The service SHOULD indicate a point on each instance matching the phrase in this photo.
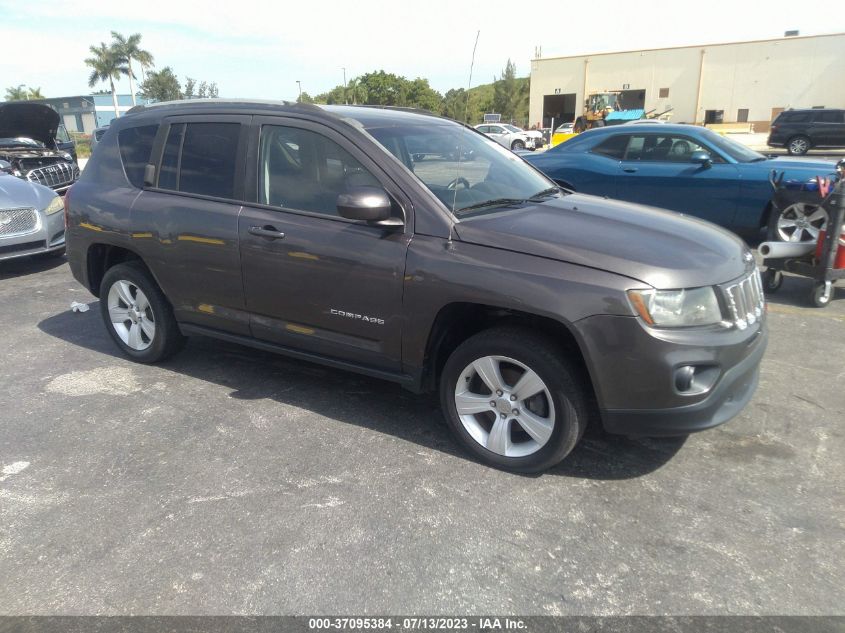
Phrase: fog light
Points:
(684, 377)
(691, 380)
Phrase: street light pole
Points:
(299, 85)
(345, 100)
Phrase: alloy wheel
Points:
(799, 146)
(131, 315)
(801, 222)
(505, 406)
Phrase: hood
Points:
(796, 169)
(661, 248)
(33, 120)
(15, 192)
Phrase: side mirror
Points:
(700, 157)
(371, 204)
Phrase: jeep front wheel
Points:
(512, 401)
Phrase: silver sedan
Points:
(31, 218)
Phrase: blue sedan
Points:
(688, 169)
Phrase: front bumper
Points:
(635, 383)
(47, 236)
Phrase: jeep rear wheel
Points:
(512, 401)
(137, 315)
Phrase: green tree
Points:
(190, 85)
(419, 94)
(22, 93)
(145, 60)
(305, 98)
(161, 86)
(107, 64)
(510, 95)
(384, 88)
(129, 48)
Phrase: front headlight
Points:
(67, 157)
(677, 308)
(56, 205)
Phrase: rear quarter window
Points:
(136, 145)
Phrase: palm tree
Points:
(146, 60)
(16, 93)
(129, 48)
(109, 64)
(35, 93)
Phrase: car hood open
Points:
(661, 248)
(32, 120)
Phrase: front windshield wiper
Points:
(546, 192)
(497, 202)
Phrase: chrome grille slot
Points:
(18, 222)
(745, 300)
(53, 176)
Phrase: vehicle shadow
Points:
(31, 265)
(354, 399)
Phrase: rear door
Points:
(657, 170)
(315, 281)
(186, 223)
(828, 128)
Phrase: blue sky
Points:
(257, 49)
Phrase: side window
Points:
(484, 129)
(201, 158)
(62, 135)
(796, 117)
(667, 149)
(830, 116)
(300, 169)
(136, 144)
(613, 147)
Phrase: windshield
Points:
(732, 148)
(467, 171)
(20, 141)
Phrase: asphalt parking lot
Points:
(229, 481)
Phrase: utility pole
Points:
(345, 100)
(299, 85)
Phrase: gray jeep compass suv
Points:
(314, 232)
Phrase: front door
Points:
(657, 170)
(315, 281)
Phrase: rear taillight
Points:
(774, 129)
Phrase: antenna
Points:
(460, 140)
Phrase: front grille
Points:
(54, 176)
(17, 222)
(745, 300)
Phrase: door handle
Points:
(629, 170)
(266, 231)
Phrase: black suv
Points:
(36, 145)
(315, 233)
(802, 130)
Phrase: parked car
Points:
(508, 136)
(31, 218)
(799, 131)
(28, 141)
(536, 135)
(97, 135)
(688, 169)
(307, 231)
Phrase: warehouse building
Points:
(739, 82)
(83, 113)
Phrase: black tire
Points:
(772, 280)
(168, 339)
(798, 145)
(565, 383)
(820, 298)
(517, 145)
